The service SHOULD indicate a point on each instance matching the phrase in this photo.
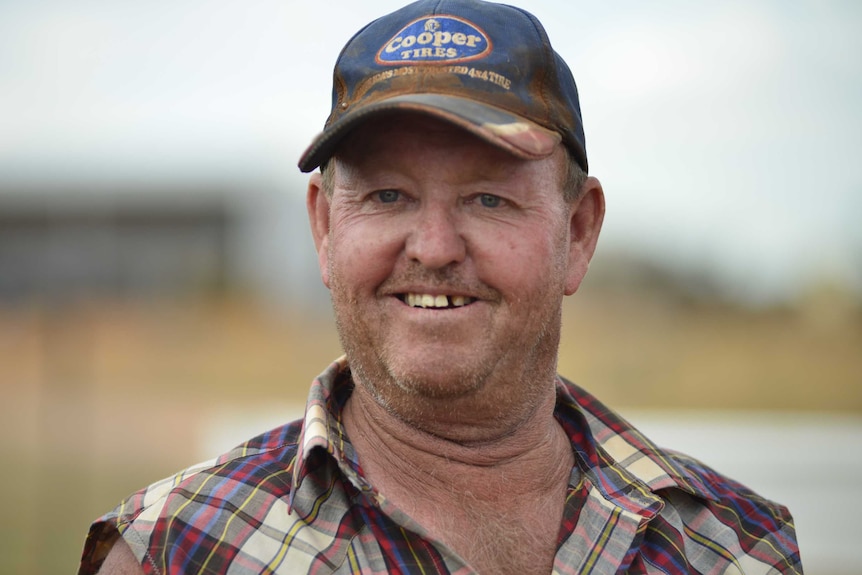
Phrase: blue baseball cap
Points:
(487, 68)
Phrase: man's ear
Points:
(586, 215)
(317, 203)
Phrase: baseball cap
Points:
(488, 68)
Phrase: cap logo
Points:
(432, 39)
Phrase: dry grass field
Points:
(102, 398)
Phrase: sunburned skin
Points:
(448, 260)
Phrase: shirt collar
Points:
(618, 452)
(323, 431)
(614, 453)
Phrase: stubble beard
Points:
(485, 381)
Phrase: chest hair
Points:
(519, 538)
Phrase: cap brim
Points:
(517, 135)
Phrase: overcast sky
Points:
(726, 134)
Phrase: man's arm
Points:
(121, 561)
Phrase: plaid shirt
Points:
(294, 500)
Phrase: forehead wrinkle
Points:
(389, 148)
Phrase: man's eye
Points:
(490, 201)
(388, 196)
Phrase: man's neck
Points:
(403, 449)
(517, 479)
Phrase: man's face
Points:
(447, 259)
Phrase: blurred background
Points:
(159, 297)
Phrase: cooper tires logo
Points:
(431, 39)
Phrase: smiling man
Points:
(452, 214)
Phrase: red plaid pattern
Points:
(294, 500)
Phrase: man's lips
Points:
(438, 301)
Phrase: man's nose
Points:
(436, 240)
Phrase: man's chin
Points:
(437, 386)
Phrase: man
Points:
(452, 215)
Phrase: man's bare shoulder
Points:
(121, 561)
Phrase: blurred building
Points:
(64, 243)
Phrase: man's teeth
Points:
(427, 300)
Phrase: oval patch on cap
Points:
(438, 38)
